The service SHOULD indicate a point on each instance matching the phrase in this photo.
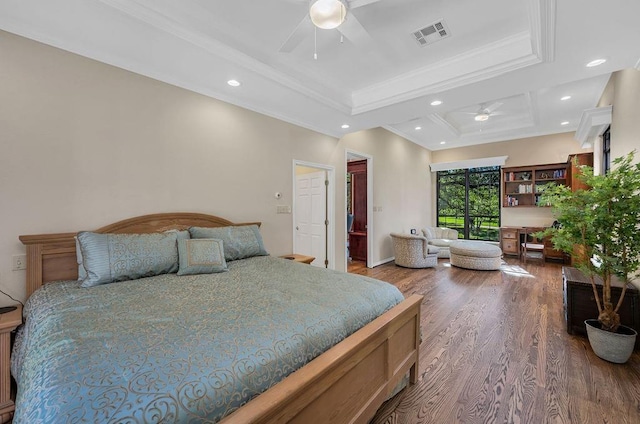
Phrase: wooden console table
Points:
(580, 305)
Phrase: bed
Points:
(310, 382)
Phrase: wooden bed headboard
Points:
(52, 257)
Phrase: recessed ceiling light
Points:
(443, 142)
(345, 126)
(596, 63)
(481, 117)
(564, 123)
(436, 103)
(565, 97)
(418, 128)
(233, 83)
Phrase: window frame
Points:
(467, 173)
(606, 151)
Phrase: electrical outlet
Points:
(19, 262)
(283, 209)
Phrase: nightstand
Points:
(8, 323)
(299, 258)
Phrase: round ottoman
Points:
(475, 255)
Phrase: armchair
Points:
(412, 251)
(440, 237)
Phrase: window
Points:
(469, 201)
(606, 151)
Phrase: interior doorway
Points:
(359, 202)
(313, 212)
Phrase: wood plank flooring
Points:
(495, 350)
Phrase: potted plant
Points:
(599, 228)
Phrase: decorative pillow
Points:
(118, 257)
(82, 273)
(240, 242)
(201, 256)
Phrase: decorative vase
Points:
(613, 347)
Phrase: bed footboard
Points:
(349, 382)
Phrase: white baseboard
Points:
(382, 262)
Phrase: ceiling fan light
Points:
(481, 117)
(327, 14)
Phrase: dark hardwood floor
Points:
(495, 350)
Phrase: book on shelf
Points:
(525, 188)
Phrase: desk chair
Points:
(532, 247)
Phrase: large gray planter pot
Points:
(613, 347)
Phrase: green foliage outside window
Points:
(469, 201)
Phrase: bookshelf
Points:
(522, 186)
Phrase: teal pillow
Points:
(201, 256)
(240, 242)
(117, 257)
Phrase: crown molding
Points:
(404, 135)
(541, 41)
(168, 78)
(531, 100)
(470, 163)
(542, 21)
(442, 122)
(592, 124)
(512, 53)
(165, 23)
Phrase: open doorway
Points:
(359, 201)
(314, 212)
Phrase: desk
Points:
(512, 237)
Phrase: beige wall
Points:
(527, 151)
(85, 144)
(401, 181)
(625, 120)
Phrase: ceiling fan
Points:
(329, 14)
(485, 112)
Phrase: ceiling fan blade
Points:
(354, 31)
(301, 32)
(492, 107)
(359, 3)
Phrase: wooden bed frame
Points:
(346, 384)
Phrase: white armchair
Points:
(440, 237)
(412, 251)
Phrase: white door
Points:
(311, 236)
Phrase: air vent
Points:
(431, 33)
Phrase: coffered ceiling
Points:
(512, 60)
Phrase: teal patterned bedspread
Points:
(178, 349)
